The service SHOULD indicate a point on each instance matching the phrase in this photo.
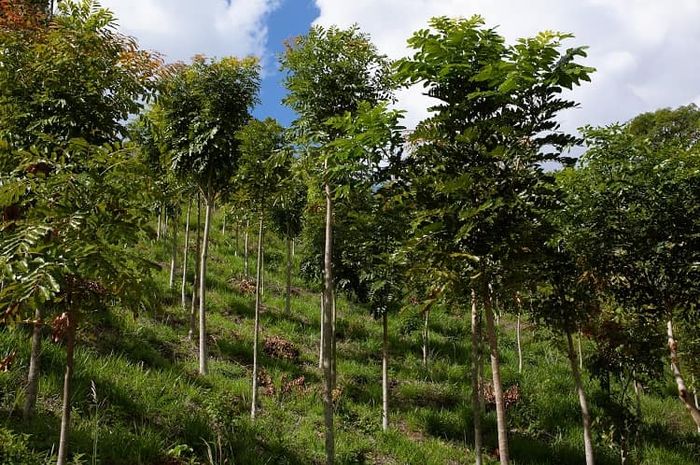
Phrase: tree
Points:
(204, 105)
(329, 73)
(264, 164)
(476, 172)
(78, 78)
(631, 185)
(288, 219)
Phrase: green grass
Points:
(150, 399)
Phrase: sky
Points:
(646, 52)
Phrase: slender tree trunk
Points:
(67, 378)
(320, 345)
(258, 303)
(262, 276)
(223, 226)
(580, 351)
(183, 288)
(288, 302)
(203, 355)
(238, 227)
(333, 343)
(385, 373)
(497, 387)
(520, 347)
(165, 224)
(585, 416)
(160, 221)
(293, 243)
(476, 382)
(426, 317)
(680, 382)
(195, 281)
(328, 330)
(245, 249)
(34, 367)
(173, 259)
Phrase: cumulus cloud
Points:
(644, 50)
(182, 28)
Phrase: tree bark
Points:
(203, 355)
(183, 288)
(328, 330)
(580, 351)
(683, 392)
(245, 249)
(426, 316)
(223, 226)
(288, 301)
(520, 348)
(34, 367)
(585, 416)
(320, 339)
(67, 378)
(385, 372)
(160, 221)
(333, 343)
(497, 387)
(258, 303)
(476, 381)
(195, 281)
(173, 259)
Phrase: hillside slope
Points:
(138, 398)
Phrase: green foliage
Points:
(14, 450)
(204, 104)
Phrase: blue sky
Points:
(290, 19)
(645, 51)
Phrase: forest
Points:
(182, 283)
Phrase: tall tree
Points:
(329, 73)
(476, 172)
(204, 105)
(264, 164)
(78, 78)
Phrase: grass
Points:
(153, 408)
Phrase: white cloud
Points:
(182, 28)
(645, 50)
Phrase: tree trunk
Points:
(585, 416)
(333, 343)
(173, 259)
(476, 381)
(328, 330)
(497, 387)
(385, 373)
(195, 281)
(520, 348)
(288, 301)
(65, 411)
(34, 367)
(223, 226)
(580, 351)
(160, 221)
(238, 227)
(183, 288)
(683, 392)
(320, 345)
(258, 303)
(245, 249)
(426, 317)
(203, 356)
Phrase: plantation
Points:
(183, 283)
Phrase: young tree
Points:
(78, 78)
(204, 105)
(476, 172)
(329, 72)
(264, 164)
(630, 187)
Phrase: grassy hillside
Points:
(138, 398)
